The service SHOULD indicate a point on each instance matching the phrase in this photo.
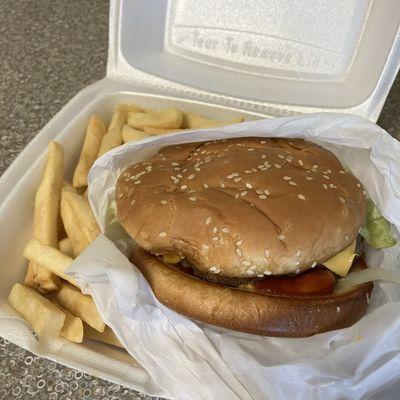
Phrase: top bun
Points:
(242, 207)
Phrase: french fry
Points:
(68, 186)
(113, 136)
(196, 121)
(80, 305)
(28, 281)
(169, 118)
(94, 135)
(78, 219)
(45, 318)
(50, 258)
(130, 134)
(107, 336)
(46, 213)
(160, 131)
(65, 247)
(73, 326)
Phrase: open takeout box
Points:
(255, 59)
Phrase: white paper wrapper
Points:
(189, 360)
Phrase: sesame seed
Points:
(239, 252)
(208, 220)
(331, 185)
(248, 171)
(215, 230)
(338, 309)
(179, 176)
(367, 297)
(237, 179)
(222, 185)
(342, 172)
(235, 174)
(301, 196)
(300, 162)
(263, 156)
(193, 198)
(252, 205)
(205, 185)
(342, 199)
(215, 238)
(314, 264)
(205, 247)
(266, 252)
(262, 196)
(250, 149)
(326, 176)
(260, 275)
(183, 187)
(132, 202)
(258, 191)
(249, 186)
(243, 193)
(137, 182)
(237, 195)
(254, 169)
(297, 271)
(267, 192)
(315, 166)
(328, 171)
(163, 201)
(121, 195)
(239, 242)
(162, 234)
(298, 254)
(325, 186)
(364, 192)
(177, 169)
(281, 156)
(281, 237)
(347, 238)
(287, 178)
(263, 142)
(213, 269)
(250, 272)
(358, 185)
(292, 183)
(277, 166)
(246, 263)
(225, 230)
(230, 176)
(174, 164)
(191, 176)
(309, 178)
(267, 272)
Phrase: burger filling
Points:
(318, 281)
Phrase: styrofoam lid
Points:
(284, 55)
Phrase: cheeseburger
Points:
(249, 234)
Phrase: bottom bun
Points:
(251, 312)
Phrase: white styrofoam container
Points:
(203, 57)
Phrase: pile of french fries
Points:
(64, 225)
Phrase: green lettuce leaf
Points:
(377, 230)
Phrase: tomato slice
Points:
(318, 281)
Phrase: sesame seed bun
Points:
(244, 207)
(251, 312)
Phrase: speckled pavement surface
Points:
(49, 50)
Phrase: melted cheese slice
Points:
(341, 263)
